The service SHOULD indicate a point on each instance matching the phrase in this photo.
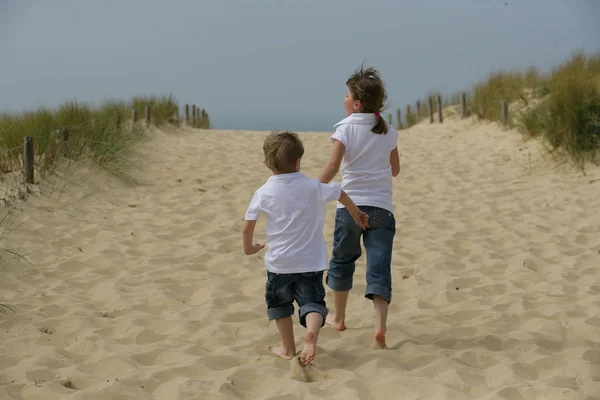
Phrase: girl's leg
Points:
(379, 240)
(346, 250)
(381, 311)
(337, 318)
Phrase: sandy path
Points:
(144, 293)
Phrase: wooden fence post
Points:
(187, 113)
(64, 133)
(117, 120)
(505, 112)
(133, 116)
(419, 110)
(463, 105)
(194, 114)
(431, 110)
(441, 117)
(28, 159)
(398, 119)
(148, 114)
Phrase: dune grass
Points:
(92, 133)
(104, 134)
(561, 107)
(567, 113)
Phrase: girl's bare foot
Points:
(309, 351)
(380, 340)
(332, 321)
(283, 353)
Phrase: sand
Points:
(143, 291)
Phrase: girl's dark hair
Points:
(366, 85)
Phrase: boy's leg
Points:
(310, 296)
(378, 240)
(279, 297)
(287, 350)
(346, 250)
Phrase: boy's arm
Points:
(247, 236)
(361, 218)
(335, 160)
(395, 162)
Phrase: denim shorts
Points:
(378, 240)
(306, 288)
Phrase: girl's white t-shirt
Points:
(366, 169)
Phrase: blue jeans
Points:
(378, 240)
(306, 288)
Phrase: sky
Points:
(274, 64)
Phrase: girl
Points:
(365, 146)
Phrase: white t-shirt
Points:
(366, 168)
(295, 209)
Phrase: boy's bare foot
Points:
(380, 341)
(332, 321)
(310, 349)
(281, 352)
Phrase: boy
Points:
(297, 253)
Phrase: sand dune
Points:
(143, 292)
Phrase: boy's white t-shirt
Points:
(366, 169)
(295, 208)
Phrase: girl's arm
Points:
(333, 165)
(395, 162)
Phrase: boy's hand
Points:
(362, 219)
(254, 249)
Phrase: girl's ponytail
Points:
(380, 126)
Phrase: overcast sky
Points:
(274, 64)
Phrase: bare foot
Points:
(309, 351)
(380, 341)
(280, 351)
(331, 321)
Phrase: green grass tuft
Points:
(562, 107)
(568, 117)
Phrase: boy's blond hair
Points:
(282, 149)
